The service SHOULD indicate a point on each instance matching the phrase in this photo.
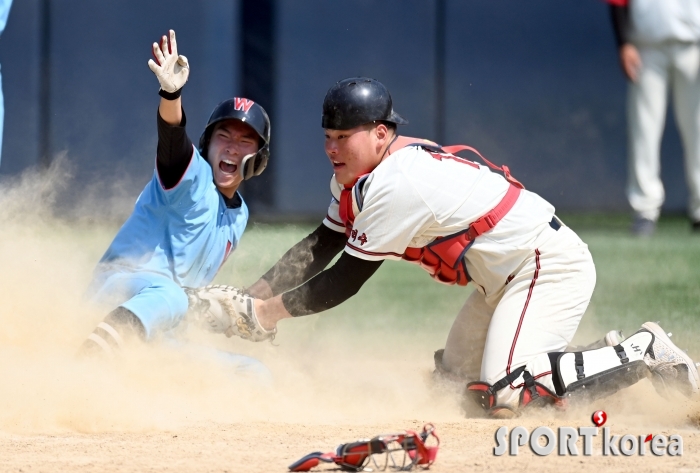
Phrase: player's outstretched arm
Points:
(226, 309)
(174, 151)
(324, 291)
(300, 263)
(172, 71)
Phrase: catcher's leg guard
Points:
(533, 394)
(597, 373)
(109, 336)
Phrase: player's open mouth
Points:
(228, 167)
(337, 164)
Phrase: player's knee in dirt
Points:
(584, 376)
(532, 395)
(576, 376)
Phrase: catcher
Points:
(404, 198)
(189, 217)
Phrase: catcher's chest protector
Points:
(443, 258)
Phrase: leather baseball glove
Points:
(228, 310)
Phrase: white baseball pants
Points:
(537, 314)
(673, 65)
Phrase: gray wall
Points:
(321, 42)
(103, 95)
(537, 85)
(534, 85)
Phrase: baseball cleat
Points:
(670, 366)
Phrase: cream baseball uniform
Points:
(667, 35)
(460, 221)
(533, 283)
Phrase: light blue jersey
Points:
(175, 237)
(184, 233)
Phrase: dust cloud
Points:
(47, 261)
(322, 375)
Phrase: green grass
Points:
(657, 278)
(642, 279)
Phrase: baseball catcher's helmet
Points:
(251, 113)
(356, 101)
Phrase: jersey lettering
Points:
(440, 157)
(242, 104)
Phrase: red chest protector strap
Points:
(504, 169)
(451, 248)
(444, 257)
(347, 216)
(351, 202)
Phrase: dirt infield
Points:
(179, 406)
(167, 409)
(271, 446)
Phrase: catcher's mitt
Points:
(227, 310)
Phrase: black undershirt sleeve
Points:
(620, 21)
(331, 287)
(305, 259)
(174, 151)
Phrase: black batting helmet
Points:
(249, 112)
(358, 100)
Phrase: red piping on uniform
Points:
(522, 315)
(542, 374)
(334, 222)
(504, 169)
(372, 253)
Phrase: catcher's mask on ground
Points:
(250, 113)
(355, 456)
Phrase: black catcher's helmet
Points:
(355, 101)
(249, 112)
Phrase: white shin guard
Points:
(601, 372)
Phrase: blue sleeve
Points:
(4, 13)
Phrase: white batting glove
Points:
(227, 310)
(171, 70)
